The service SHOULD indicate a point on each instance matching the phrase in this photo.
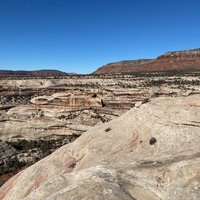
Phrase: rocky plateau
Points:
(134, 127)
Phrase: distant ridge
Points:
(173, 60)
(170, 61)
(37, 73)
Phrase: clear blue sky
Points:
(82, 35)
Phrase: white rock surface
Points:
(149, 153)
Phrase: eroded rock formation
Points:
(43, 108)
(150, 152)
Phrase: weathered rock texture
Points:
(151, 152)
(17, 155)
(177, 60)
(44, 108)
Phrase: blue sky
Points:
(82, 35)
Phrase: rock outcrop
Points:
(150, 152)
(171, 61)
(69, 100)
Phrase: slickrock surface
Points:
(151, 152)
(176, 60)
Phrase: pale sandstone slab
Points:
(151, 152)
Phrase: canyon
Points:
(116, 126)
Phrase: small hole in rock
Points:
(141, 141)
(152, 141)
(102, 103)
(94, 95)
(107, 129)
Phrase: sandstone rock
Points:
(138, 104)
(68, 100)
(151, 152)
(62, 106)
(38, 121)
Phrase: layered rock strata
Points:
(43, 108)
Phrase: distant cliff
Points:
(176, 60)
